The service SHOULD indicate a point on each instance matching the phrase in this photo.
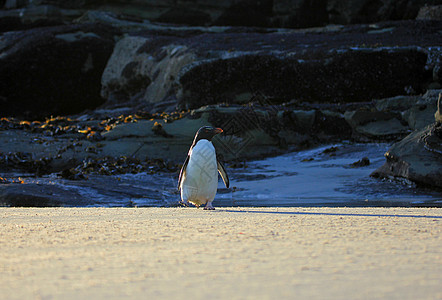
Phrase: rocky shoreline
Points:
(145, 142)
(131, 93)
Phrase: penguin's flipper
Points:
(183, 171)
(223, 173)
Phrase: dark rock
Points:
(330, 150)
(54, 70)
(186, 16)
(431, 12)
(258, 14)
(158, 129)
(33, 17)
(358, 63)
(132, 76)
(25, 161)
(36, 195)
(299, 120)
(299, 14)
(267, 13)
(396, 104)
(382, 130)
(11, 4)
(367, 11)
(421, 114)
(353, 75)
(437, 72)
(72, 174)
(373, 123)
(332, 124)
(308, 159)
(361, 163)
(418, 157)
(316, 122)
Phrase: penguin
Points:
(198, 179)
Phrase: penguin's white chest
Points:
(201, 178)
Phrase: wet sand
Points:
(229, 253)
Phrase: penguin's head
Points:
(207, 133)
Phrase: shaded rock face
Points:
(266, 13)
(54, 70)
(358, 63)
(351, 76)
(199, 66)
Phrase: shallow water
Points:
(317, 177)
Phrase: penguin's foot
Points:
(209, 207)
(185, 204)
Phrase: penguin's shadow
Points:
(294, 213)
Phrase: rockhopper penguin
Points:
(198, 179)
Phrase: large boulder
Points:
(323, 65)
(418, 157)
(143, 69)
(396, 104)
(53, 70)
(421, 113)
(376, 124)
(351, 76)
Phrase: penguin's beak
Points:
(217, 130)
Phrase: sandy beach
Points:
(229, 253)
